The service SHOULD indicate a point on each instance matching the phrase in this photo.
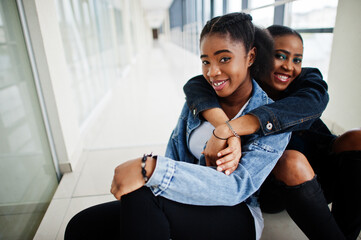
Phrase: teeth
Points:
(218, 83)
(282, 77)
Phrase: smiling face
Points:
(288, 61)
(225, 65)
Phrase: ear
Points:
(252, 56)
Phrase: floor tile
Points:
(53, 219)
(281, 227)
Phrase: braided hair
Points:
(239, 27)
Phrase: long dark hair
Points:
(239, 27)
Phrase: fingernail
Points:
(227, 172)
(219, 154)
(219, 169)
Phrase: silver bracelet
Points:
(232, 130)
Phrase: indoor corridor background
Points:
(88, 84)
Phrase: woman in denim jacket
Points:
(301, 96)
(177, 196)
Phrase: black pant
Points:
(141, 215)
(338, 181)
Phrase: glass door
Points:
(28, 177)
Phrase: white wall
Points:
(345, 68)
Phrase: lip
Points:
(282, 77)
(219, 84)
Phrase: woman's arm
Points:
(303, 102)
(199, 185)
(189, 183)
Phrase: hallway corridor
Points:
(137, 118)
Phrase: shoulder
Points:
(258, 98)
(197, 78)
(308, 72)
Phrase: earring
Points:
(250, 63)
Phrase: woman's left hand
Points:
(128, 176)
(229, 158)
(223, 154)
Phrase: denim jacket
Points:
(300, 105)
(180, 177)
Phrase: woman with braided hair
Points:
(181, 195)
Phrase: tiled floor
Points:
(143, 111)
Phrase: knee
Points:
(349, 141)
(293, 168)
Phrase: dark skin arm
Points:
(226, 154)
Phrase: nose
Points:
(213, 71)
(288, 65)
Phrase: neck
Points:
(272, 93)
(232, 104)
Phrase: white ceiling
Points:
(155, 11)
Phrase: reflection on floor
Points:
(144, 109)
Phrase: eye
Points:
(280, 56)
(297, 60)
(205, 62)
(225, 59)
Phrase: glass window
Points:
(92, 35)
(217, 8)
(317, 51)
(259, 3)
(312, 14)
(234, 6)
(206, 10)
(27, 174)
(263, 17)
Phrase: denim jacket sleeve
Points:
(301, 104)
(178, 177)
(201, 185)
(200, 96)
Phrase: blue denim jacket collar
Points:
(258, 97)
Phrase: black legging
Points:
(307, 205)
(141, 215)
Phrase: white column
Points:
(345, 68)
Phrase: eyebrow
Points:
(287, 52)
(217, 52)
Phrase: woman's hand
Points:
(128, 176)
(223, 154)
(213, 147)
(230, 157)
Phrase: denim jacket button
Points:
(269, 126)
(194, 111)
